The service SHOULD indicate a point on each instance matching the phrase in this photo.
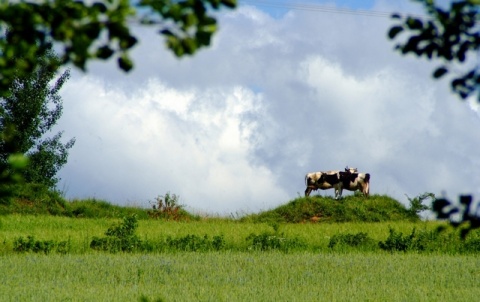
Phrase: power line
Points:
(319, 8)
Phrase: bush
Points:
(168, 207)
(397, 242)
(417, 206)
(194, 243)
(420, 241)
(120, 237)
(359, 240)
(29, 244)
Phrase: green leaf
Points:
(125, 63)
(394, 31)
(229, 3)
(104, 52)
(100, 7)
(439, 72)
(128, 43)
(414, 24)
(18, 161)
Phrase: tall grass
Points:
(236, 276)
(313, 237)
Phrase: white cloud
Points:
(236, 127)
(158, 139)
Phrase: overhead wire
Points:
(320, 8)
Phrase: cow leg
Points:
(366, 189)
(340, 189)
(338, 192)
(307, 191)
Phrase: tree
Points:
(30, 108)
(446, 35)
(86, 30)
(82, 31)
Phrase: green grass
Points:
(355, 249)
(240, 276)
(353, 208)
(80, 231)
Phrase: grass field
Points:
(257, 258)
(79, 232)
(240, 276)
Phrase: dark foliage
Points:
(464, 215)
(82, 31)
(30, 109)
(447, 35)
(119, 238)
(194, 243)
(357, 240)
(29, 244)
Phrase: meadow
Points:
(261, 257)
(240, 276)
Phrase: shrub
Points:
(396, 241)
(361, 239)
(120, 237)
(29, 244)
(471, 244)
(194, 243)
(418, 241)
(417, 206)
(168, 207)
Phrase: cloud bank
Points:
(236, 127)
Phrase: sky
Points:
(283, 90)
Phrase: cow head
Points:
(351, 170)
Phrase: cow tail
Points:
(367, 184)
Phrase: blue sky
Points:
(236, 127)
(278, 8)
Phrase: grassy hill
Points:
(354, 208)
(37, 200)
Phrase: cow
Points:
(349, 179)
(323, 181)
(352, 181)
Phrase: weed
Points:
(416, 204)
(168, 207)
